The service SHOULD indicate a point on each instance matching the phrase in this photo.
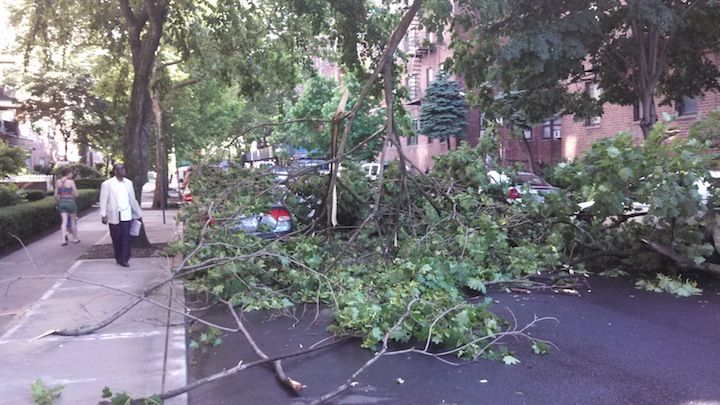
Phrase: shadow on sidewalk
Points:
(106, 251)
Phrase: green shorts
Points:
(67, 205)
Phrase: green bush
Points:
(81, 171)
(9, 195)
(35, 195)
(34, 218)
(91, 183)
(86, 198)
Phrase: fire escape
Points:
(417, 47)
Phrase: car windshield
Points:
(531, 180)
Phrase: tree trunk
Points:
(144, 33)
(648, 119)
(66, 139)
(531, 158)
(652, 59)
(136, 140)
(161, 181)
(83, 149)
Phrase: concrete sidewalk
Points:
(142, 353)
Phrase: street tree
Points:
(312, 112)
(537, 57)
(12, 159)
(65, 98)
(59, 98)
(443, 109)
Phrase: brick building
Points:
(426, 56)
(555, 140)
(566, 138)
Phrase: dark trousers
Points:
(120, 235)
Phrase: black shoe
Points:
(124, 264)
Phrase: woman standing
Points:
(65, 194)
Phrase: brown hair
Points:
(66, 170)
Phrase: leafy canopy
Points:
(316, 106)
(534, 58)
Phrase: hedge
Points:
(9, 195)
(81, 171)
(35, 218)
(93, 183)
(35, 195)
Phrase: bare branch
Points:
(241, 367)
(293, 385)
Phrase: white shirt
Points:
(120, 191)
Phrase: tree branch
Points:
(349, 381)
(392, 45)
(682, 260)
(294, 386)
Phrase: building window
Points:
(430, 76)
(552, 128)
(593, 90)
(443, 139)
(412, 140)
(430, 140)
(687, 106)
(416, 125)
(527, 132)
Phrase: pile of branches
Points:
(437, 239)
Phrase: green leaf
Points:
(462, 318)
(218, 289)
(477, 285)
(540, 347)
(626, 173)
(44, 395)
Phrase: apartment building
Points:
(557, 139)
(567, 138)
(426, 55)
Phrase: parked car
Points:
(280, 173)
(523, 183)
(321, 166)
(273, 224)
(185, 192)
(703, 187)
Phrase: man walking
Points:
(118, 207)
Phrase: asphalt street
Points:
(616, 345)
